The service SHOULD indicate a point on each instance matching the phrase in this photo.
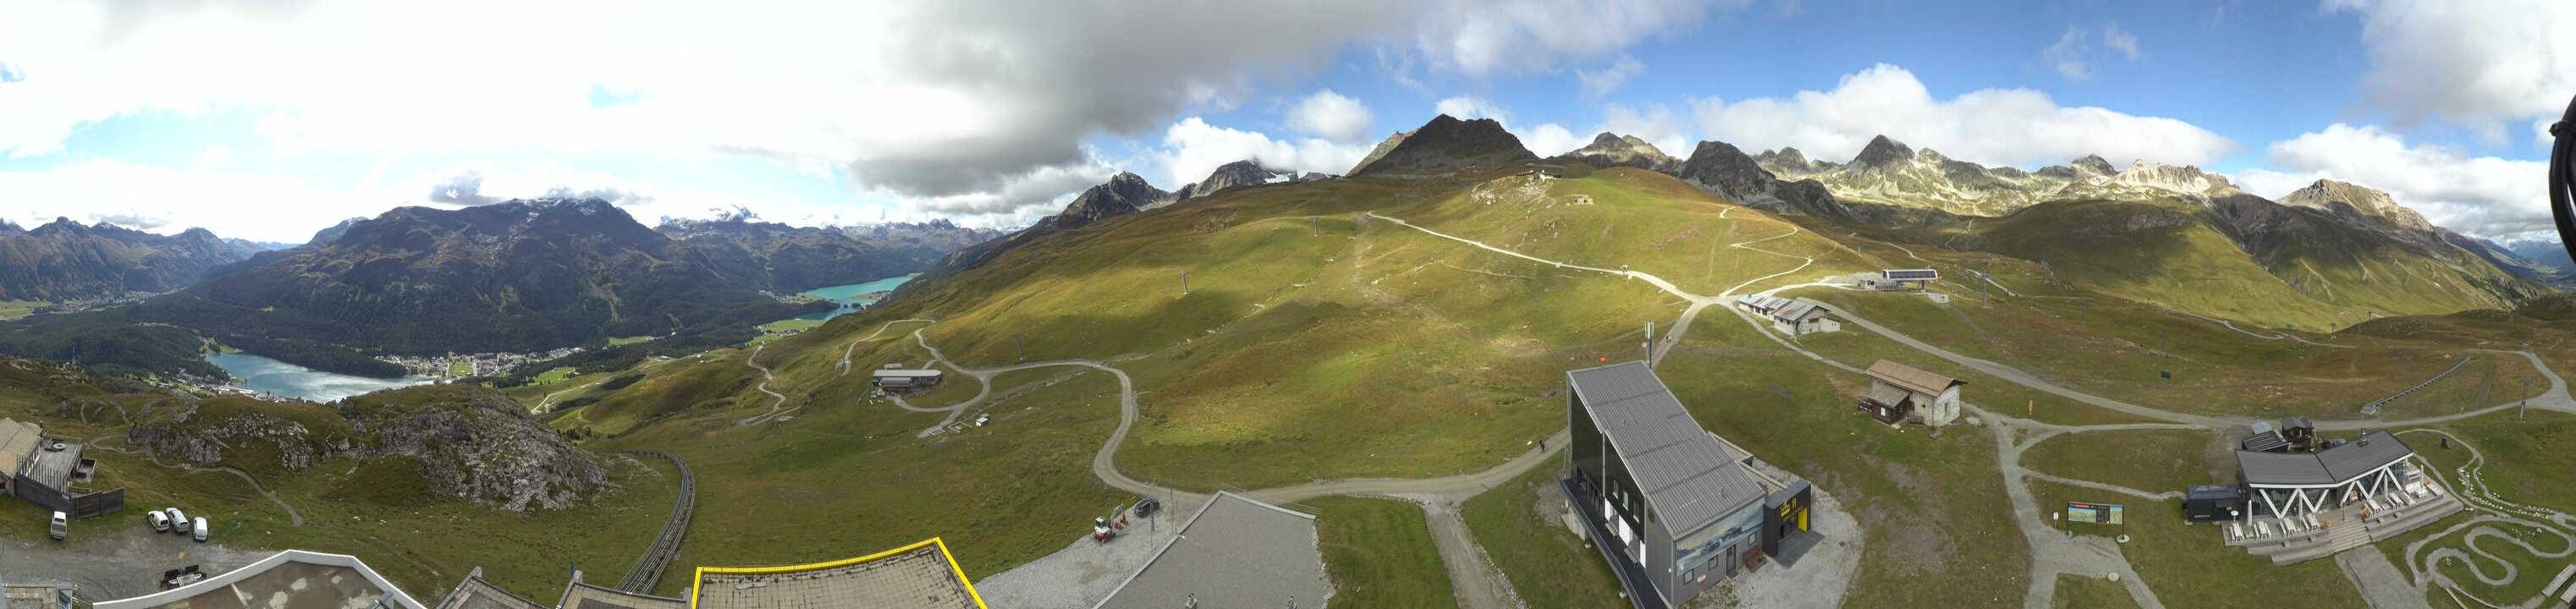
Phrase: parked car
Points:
(200, 529)
(178, 521)
(1147, 508)
(160, 521)
(62, 526)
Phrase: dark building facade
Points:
(1665, 503)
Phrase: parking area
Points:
(105, 562)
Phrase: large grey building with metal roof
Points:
(1668, 506)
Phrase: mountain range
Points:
(63, 260)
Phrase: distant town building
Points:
(293, 578)
(891, 378)
(1672, 510)
(1902, 393)
(51, 471)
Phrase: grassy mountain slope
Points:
(2161, 254)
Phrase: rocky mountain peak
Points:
(2095, 163)
(7, 227)
(1447, 144)
(2334, 196)
(1247, 172)
(1882, 152)
(1612, 150)
(1123, 194)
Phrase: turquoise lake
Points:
(289, 380)
(852, 296)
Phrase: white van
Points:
(62, 526)
(160, 522)
(178, 521)
(201, 529)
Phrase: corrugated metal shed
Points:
(1685, 475)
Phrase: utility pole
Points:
(1650, 343)
(1185, 282)
(1023, 348)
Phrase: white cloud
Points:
(1330, 116)
(1466, 107)
(2018, 127)
(2483, 196)
(1599, 83)
(2072, 54)
(2124, 42)
(171, 200)
(1480, 37)
(2067, 55)
(920, 100)
(2480, 65)
(1192, 149)
(1551, 139)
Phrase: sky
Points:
(272, 119)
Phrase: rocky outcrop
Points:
(244, 433)
(476, 444)
(464, 441)
(1123, 194)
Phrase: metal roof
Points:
(53, 468)
(1910, 274)
(1685, 475)
(2331, 466)
(1235, 552)
(1912, 378)
(2264, 441)
(907, 373)
(1797, 310)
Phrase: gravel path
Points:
(1472, 576)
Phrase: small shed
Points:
(2299, 432)
(896, 379)
(2212, 502)
(1901, 393)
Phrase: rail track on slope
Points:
(657, 558)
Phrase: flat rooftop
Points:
(292, 579)
(918, 576)
(906, 373)
(1235, 553)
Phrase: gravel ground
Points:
(1084, 572)
(105, 564)
(1822, 574)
